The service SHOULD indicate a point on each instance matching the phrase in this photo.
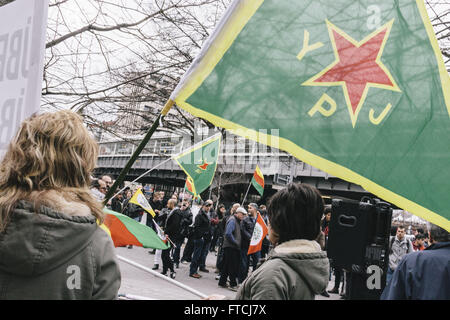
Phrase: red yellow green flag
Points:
(357, 89)
(126, 231)
(258, 180)
(189, 187)
(259, 233)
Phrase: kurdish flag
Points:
(199, 163)
(259, 233)
(126, 231)
(357, 89)
(189, 187)
(258, 180)
(139, 199)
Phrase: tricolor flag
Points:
(357, 89)
(189, 187)
(126, 231)
(139, 199)
(259, 233)
(258, 180)
(199, 163)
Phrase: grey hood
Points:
(306, 259)
(35, 243)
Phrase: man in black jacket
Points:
(176, 223)
(201, 227)
(116, 203)
(247, 225)
(171, 229)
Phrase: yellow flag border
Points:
(228, 34)
(445, 77)
(134, 200)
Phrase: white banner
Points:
(23, 26)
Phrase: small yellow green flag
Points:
(139, 199)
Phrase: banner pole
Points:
(146, 172)
(159, 229)
(243, 201)
(138, 150)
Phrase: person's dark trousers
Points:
(254, 259)
(196, 257)
(177, 250)
(214, 239)
(219, 260)
(205, 250)
(337, 277)
(188, 250)
(167, 262)
(243, 266)
(264, 248)
(230, 269)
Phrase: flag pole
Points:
(159, 164)
(146, 172)
(157, 227)
(138, 150)
(243, 201)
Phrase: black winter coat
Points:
(201, 225)
(173, 225)
(247, 226)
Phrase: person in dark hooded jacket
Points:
(297, 268)
(51, 244)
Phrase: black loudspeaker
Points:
(358, 242)
(349, 231)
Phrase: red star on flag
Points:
(357, 67)
(203, 166)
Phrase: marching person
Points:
(232, 250)
(201, 227)
(171, 230)
(186, 221)
(51, 246)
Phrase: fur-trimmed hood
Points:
(34, 242)
(306, 259)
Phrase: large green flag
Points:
(358, 89)
(199, 163)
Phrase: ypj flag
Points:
(139, 199)
(259, 233)
(126, 231)
(357, 89)
(258, 180)
(199, 163)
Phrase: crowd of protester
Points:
(205, 234)
(227, 232)
(50, 218)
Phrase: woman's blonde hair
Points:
(51, 152)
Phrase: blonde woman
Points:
(50, 244)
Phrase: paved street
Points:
(140, 283)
